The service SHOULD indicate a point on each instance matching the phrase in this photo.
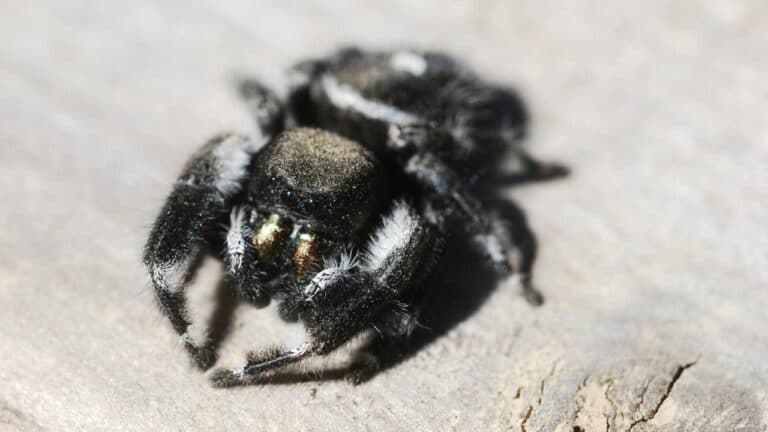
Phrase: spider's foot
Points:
(533, 296)
(360, 375)
(550, 171)
(363, 369)
(202, 357)
(222, 378)
(357, 377)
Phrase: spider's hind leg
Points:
(496, 119)
(443, 185)
(532, 169)
(301, 110)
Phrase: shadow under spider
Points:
(222, 317)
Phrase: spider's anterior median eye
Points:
(270, 237)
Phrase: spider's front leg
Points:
(533, 169)
(488, 234)
(187, 224)
(190, 220)
(351, 296)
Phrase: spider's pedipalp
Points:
(300, 107)
(237, 239)
(318, 290)
(240, 259)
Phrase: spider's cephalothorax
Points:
(341, 210)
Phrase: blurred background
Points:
(653, 254)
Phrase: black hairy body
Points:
(340, 212)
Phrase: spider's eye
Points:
(310, 204)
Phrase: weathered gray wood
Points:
(653, 255)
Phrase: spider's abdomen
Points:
(323, 179)
(359, 94)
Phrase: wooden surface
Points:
(653, 256)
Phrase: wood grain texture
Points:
(653, 255)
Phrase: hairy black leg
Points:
(430, 138)
(520, 241)
(377, 356)
(300, 107)
(486, 231)
(188, 222)
(266, 109)
(393, 326)
(362, 293)
(260, 363)
(190, 219)
(365, 365)
(397, 320)
(490, 119)
(406, 139)
(439, 179)
(393, 264)
(536, 170)
(241, 261)
(391, 261)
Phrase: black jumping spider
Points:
(341, 214)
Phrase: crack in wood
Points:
(525, 418)
(579, 402)
(678, 373)
(543, 383)
(609, 385)
(643, 392)
(10, 416)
